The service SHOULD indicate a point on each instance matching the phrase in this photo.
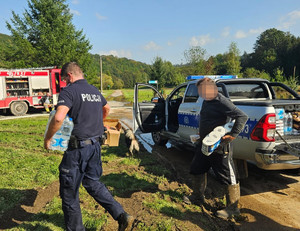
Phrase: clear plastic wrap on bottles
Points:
(213, 139)
(61, 138)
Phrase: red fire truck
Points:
(24, 88)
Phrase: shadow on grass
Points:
(13, 205)
(12, 202)
(56, 219)
(123, 185)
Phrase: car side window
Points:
(250, 91)
(178, 94)
(191, 95)
(281, 93)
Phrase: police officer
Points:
(216, 110)
(81, 162)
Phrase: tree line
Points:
(45, 36)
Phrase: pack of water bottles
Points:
(213, 139)
(284, 122)
(60, 140)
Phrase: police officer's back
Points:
(82, 160)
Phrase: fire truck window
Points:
(57, 82)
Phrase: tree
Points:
(195, 58)
(254, 73)
(220, 65)
(273, 50)
(107, 81)
(118, 83)
(158, 72)
(45, 36)
(232, 60)
(194, 55)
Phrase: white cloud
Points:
(240, 34)
(169, 43)
(151, 46)
(75, 12)
(100, 17)
(225, 32)
(75, 2)
(289, 20)
(243, 34)
(118, 53)
(201, 40)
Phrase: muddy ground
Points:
(270, 200)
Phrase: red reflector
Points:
(265, 129)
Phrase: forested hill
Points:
(5, 40)
(119, 72)
(127, 70)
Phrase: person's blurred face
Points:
(208, 90)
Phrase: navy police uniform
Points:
(83, 163)
(216, 113)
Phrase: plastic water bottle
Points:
(288, 123)
(66, 131)
(61, 138)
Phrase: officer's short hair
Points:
(205, 79)
(71, 67)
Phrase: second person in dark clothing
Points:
(216, 111)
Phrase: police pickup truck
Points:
(266, 141)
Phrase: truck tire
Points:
(18, 108)
(158, 139)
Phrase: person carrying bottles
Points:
(81, 162)
(216, 110)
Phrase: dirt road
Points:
(270, 200)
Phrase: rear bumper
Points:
(276, 161)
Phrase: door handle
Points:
(194, 110)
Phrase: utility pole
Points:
(294, 71)
(101, 87)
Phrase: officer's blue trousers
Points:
(83, 165)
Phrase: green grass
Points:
(25, 166)
(130, 161)
(163, 204)
(161, 225)
(106, 93)
(24, 163)
(144, 94)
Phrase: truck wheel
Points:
(19, 108)
(158, 139)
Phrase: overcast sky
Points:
(144, 29)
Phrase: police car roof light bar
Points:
(195, 77)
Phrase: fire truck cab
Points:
(24, 88)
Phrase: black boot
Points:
(199, 183)
(232, 200)
(125, 222)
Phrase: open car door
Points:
(148, 108)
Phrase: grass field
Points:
(144, 94)
(26, 167)
(24, 164)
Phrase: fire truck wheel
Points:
(19, 108)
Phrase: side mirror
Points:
(154, 100)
